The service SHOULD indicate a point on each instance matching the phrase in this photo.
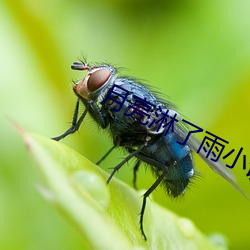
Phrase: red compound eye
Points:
(97, 79)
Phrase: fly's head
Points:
(96, 81)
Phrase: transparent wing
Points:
(218, 166)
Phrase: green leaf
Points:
(107, 215)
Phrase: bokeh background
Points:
(195, 52)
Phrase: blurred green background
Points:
(196, 53)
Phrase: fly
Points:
(128, 109)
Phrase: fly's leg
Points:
(124, 161)
(105, 155)
(75, 123)
(136, 167)
(145, 196)
(97, 114)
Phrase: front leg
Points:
(97, 114)
(75, 124)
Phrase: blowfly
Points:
(138, 120)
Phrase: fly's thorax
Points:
(95, 84)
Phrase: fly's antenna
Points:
(80, 66)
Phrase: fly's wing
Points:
(218, 166)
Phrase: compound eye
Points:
(97, 79)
